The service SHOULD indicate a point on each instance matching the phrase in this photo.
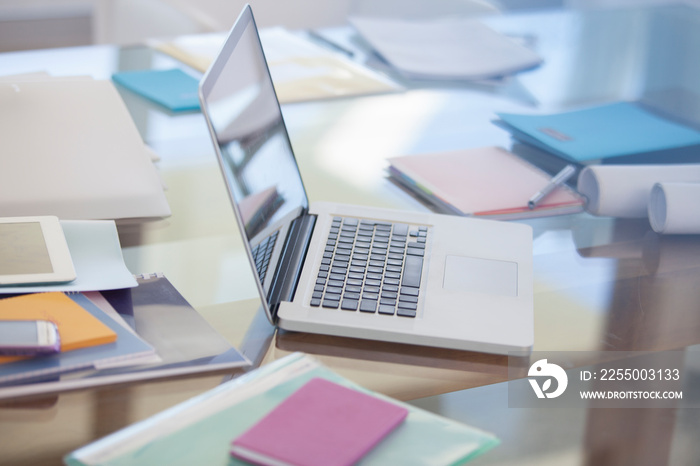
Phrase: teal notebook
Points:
(173, 89)
(617, 130)
(200, 431)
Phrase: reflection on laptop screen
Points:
(256, 156)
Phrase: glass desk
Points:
(600, 283)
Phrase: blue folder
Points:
(603, 132)
(173, 89)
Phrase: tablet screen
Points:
(23, 249)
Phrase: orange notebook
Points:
(485, 182)
(76, 326)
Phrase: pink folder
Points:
(321, 424)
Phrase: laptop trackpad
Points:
(481, 276)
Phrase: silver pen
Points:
(558, 179)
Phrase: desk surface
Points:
(600, 283)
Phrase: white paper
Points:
(674, 208)
(624, 190)
(91, 165)
(97, 258)
(449, 48)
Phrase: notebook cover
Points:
(484, 181)
(174, 89)
(596, 133)
(321, 424)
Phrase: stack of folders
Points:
(74, 152)
(89, 337)
(488, 182)
(291, 411)
(114, 336)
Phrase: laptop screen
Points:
(245, 120)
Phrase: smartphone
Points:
(28, 337)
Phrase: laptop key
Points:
(409, 291)
(349, 305)
(406, 313)
(386, 310)
(409, 306)
(412, 271)
(330, 304)
(401, 229)
(368, 306)
(315, 302)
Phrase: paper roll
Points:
(624, 190)
(674, 208)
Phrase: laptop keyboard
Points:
(262, 253)
(371, 267)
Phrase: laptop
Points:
(356, 271)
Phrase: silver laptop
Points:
(363, 272)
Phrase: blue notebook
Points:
(173, 89)
(603, 132)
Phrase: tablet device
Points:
(34, 250)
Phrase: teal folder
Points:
(603, 132)
(173, 89)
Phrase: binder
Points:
(619, 132)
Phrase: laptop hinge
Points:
(296, 246)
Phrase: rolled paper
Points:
(674, 208)
(624, 190)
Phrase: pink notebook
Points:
(321, 424)
(485, 181)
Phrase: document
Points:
(73, 151)
(447, 48)
(301, 70)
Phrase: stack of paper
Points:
(172, 339)
(486, 182)
(448, 49)
(200, 431)
(300, 69)
(70, 149)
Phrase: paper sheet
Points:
(674, 208)
(449, 48)
(301, 70)
(624, 190)
(97, 258)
